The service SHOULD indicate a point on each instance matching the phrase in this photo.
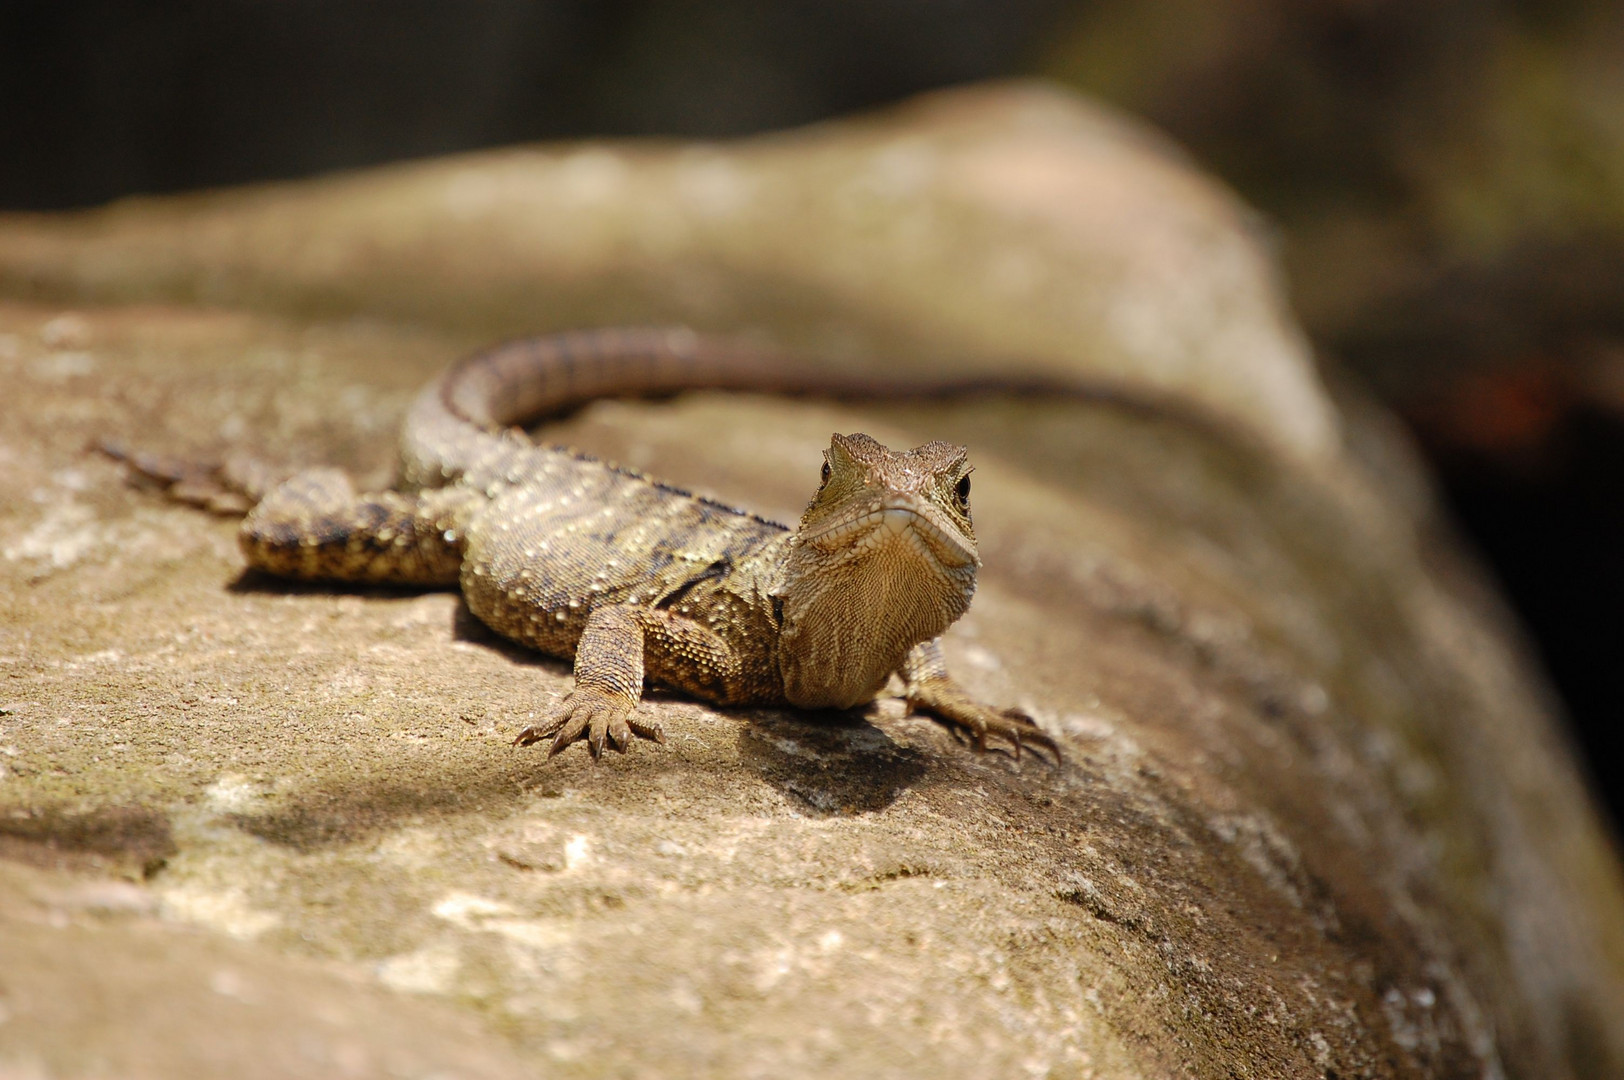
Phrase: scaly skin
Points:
(636, 580)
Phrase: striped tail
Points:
(520, 382)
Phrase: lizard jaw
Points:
(897, 518)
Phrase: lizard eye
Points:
(825, 472)
(963, 490)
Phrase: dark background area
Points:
(1447, 179)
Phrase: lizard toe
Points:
(647, 729)
(605, 719)
(598, 734)
(229, 488)
(601, 720)
(1020, 730)
(572, 727)
(975, 723)
(537, 732)
(619, 733)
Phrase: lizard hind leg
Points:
(930, 689)
(315, 527)
(230, 487)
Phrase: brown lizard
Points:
(636, 580)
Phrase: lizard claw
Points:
(1020, 730)
(229, 488)
(601, 719)
(573, 727)
(973, 722)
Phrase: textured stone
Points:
(95, 985)
(1012, 228)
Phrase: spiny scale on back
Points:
(636, 580)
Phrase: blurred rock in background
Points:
(1447, 179)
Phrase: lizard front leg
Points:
(932, 690)
(619, 645)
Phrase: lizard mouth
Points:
(893, 520)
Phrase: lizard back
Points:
(548, 534)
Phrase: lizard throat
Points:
(850, 624)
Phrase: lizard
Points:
(635, 580)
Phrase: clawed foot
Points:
(598, 717)
(973, 722)
(230, 489)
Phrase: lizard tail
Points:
(450, 427)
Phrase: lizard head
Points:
(884, 558)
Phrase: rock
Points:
(1316, 819)
(1448, 189)
(1011, 228)
(94, 985)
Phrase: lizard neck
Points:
(845, 632)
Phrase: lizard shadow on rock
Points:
(336, 814)
(136, 837)
(466, 627)
(257, 582)
(831, 763)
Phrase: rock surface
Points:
(1316, 818)
(1008, 228)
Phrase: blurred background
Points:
(1445, 179)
